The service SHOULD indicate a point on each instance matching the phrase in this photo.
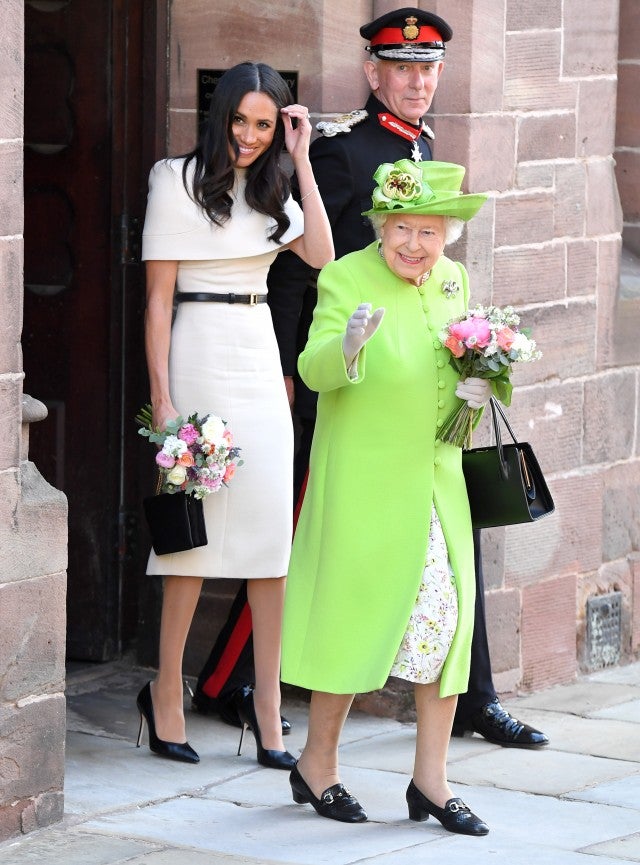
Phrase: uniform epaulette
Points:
(428, 131)
(342, 123)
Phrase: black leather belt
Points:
(206, 296)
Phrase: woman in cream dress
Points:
(215, 221)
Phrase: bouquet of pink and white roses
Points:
(484, 343)
(196, 456)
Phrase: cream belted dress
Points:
(224, 360)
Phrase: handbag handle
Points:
(496, 409)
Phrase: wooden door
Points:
(85, 186)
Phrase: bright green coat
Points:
(361, 540)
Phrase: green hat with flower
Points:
(423, 187)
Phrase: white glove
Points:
(476, 391)
(360, 328)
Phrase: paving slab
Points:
(65, 846)
(545, 772)
(627, 849)
(580, 698)
(623, 712)
(624, 792)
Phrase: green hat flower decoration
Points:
(422, 187)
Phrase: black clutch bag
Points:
(176, 522)
(505, 483)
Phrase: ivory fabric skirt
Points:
(224, 360)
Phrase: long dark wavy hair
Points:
(267, 185)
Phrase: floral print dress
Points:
(433, 622)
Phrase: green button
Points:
(439, 422)
(441, 385)
(437, 344)
(437, 461)
(440, 403)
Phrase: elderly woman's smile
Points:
(411, 243)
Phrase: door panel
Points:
(78, 334)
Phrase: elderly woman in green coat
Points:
(381, 579)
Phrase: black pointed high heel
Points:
(243, 701)
(455, 816)
(171, 750)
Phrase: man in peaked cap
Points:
(406, 50)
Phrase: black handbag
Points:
(505, 483)
(176, 522)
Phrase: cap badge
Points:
(410, 31)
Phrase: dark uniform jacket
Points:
(343, 166)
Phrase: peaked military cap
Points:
(407, 34)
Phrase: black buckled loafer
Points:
(496, 725)
(454, 817)
(336, 802)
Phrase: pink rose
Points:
(165, 460)
(455, 346)
(188, 433)
(229, 473)
(473, 332)
(505, 338)
(227, 436)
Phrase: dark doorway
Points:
(88, 148)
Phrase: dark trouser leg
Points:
(230, 664)
(301, 462)
(481, 690)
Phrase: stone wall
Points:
(32, 518)
(527, 103)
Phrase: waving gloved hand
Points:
(475, 391)
(360, 328)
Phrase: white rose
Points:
(177, 476)
(212, 429)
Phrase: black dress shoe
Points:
(226, 710)
(496, 725)
(336, 802)
(181, 751)
(455, 816)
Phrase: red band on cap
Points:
(395, 36)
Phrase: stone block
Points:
(582, 267)
(550, 418)
(10, 420)
(33, 538)
(566, 335)
(32, 650)
(532, 14)
(531, 85)
(479, 33)
(604, 213)
(528, 274)
(570, 203)
(549, 632)
(590, 37)
(610, 306)
(11, 69)
(567, 541)
(32, 757)
(485, 145)
(42, 810)
(475, 251)
(596, 117)
(610, 409)
(634, 562)
(547, 136)
(522, 219)
(492, 545)
(10, 305)
(530, 175)
(620, 510)
(182, 131)
(631, 238)
(629, 30)
(11, 201)
(503, 629)
(627, 173)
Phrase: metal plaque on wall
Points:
(208, 79)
